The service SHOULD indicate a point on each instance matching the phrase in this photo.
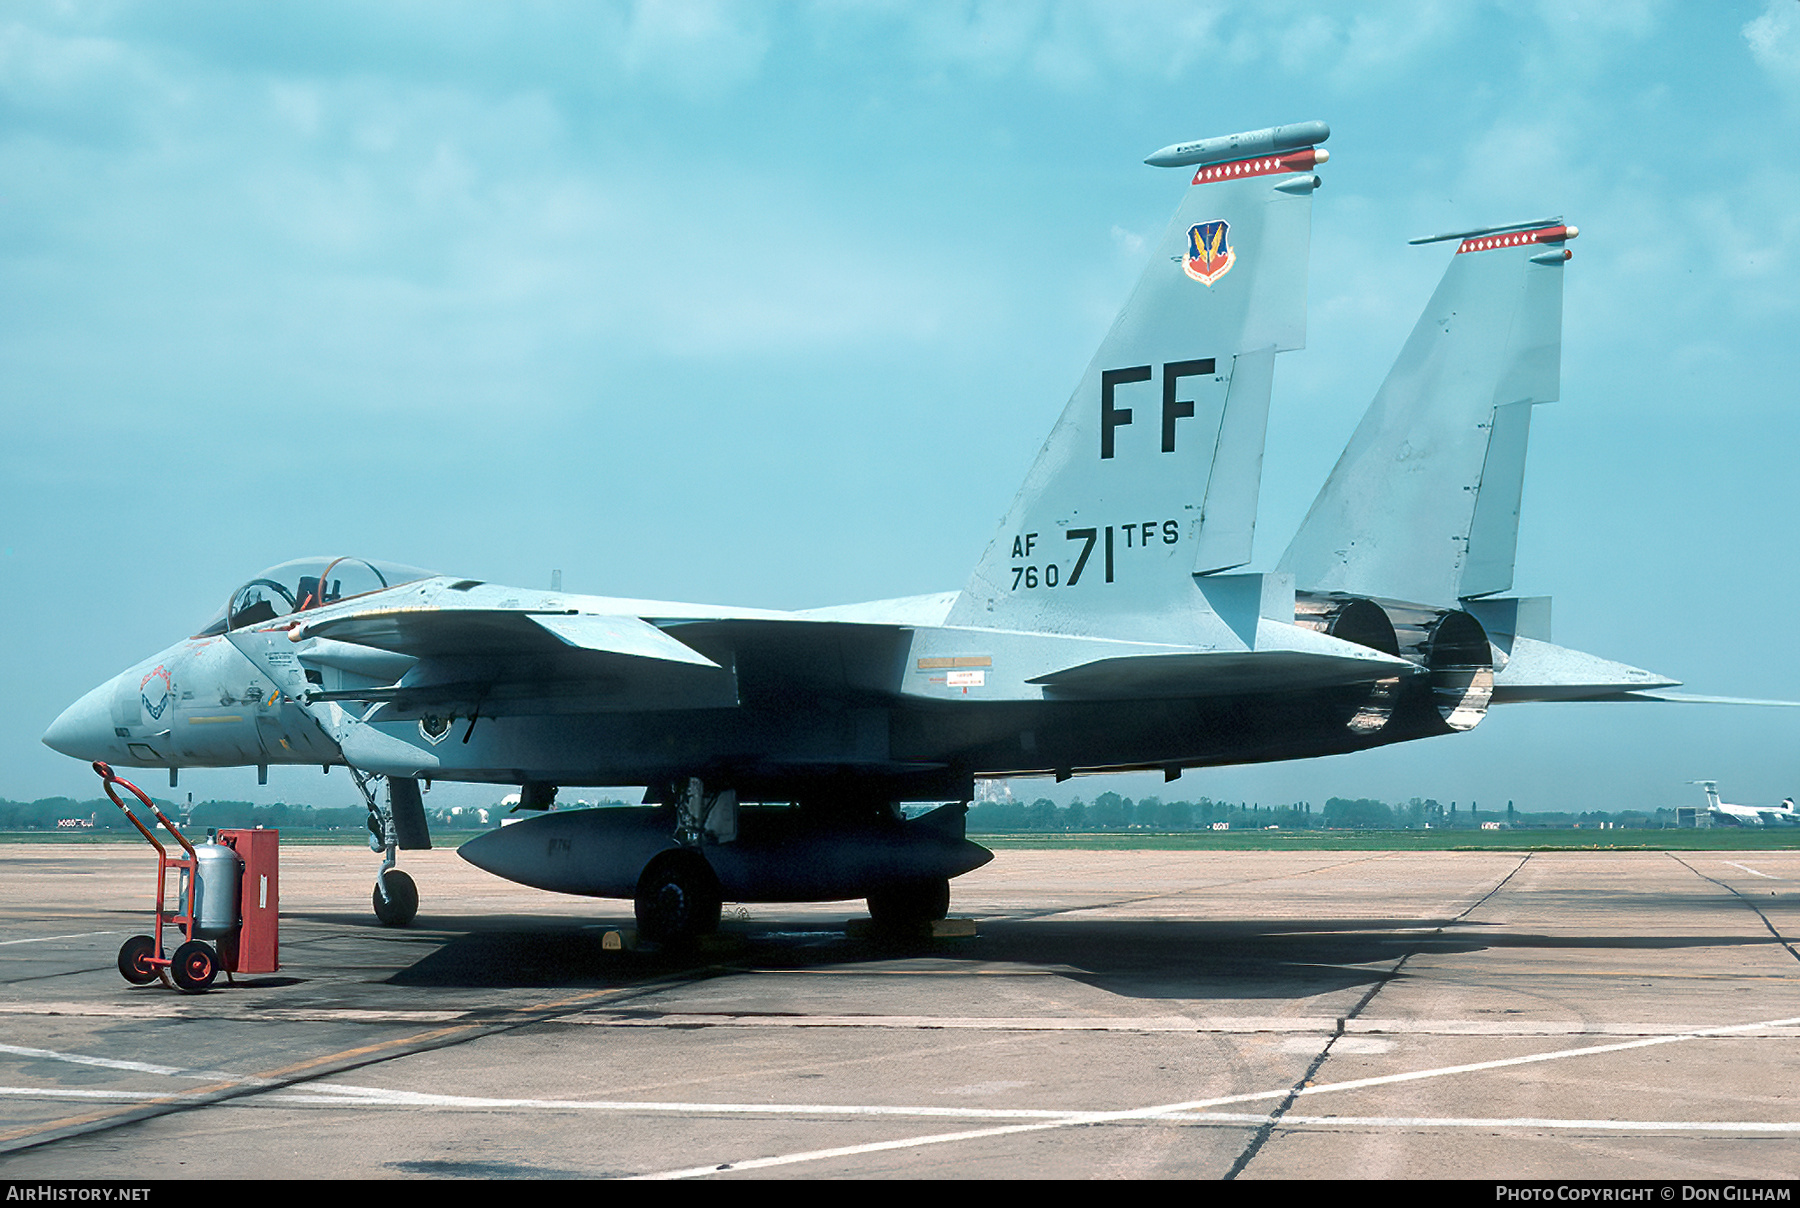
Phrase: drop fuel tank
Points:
(779, 855)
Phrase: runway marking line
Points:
(253, 1083)
(202, 1093)
(333, 1095)
(141, 1067)
(1169, 1109)
(45, 939)
(1751, 871)
(63, 1092)
(1508, 1122)
(1239, 1026)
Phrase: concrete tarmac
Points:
(1120, 1014)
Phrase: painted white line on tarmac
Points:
(1555, 1055)
(1196, 1111)
(60, 1092)
(141, 1067)
(184, 1007)
(1201, 1104)
(1155, 1023)
(1320, 1026)
(45, 939)
(1719, 1126)
(1751, 871)
(136, 1067)
(374, 1096)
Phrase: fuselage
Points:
(779, 705)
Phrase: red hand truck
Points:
(141, 960)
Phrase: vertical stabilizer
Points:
(1151, 475)
(1423, 505)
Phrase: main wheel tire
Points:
(195, 965)
(677, 899)
(911, 904)
(134, 955)
(400, 905)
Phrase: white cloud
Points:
(1130, 243)
(1774, 40)
(701, 48)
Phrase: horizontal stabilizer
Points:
(1689, 698)
(1540, 671)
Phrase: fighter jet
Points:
(1726, 814)
(1109, 625)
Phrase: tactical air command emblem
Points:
(1209, 254)
(154, 690)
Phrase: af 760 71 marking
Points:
(1050, 574)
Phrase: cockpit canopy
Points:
(306, 583)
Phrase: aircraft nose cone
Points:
(85, 728)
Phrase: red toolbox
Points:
(255, 947)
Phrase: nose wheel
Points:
(396, 898)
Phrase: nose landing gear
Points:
(397, 822)
(396, 897)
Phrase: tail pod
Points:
(1151, 475)
(1423, 506)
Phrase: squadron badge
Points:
(1209, 254)
(154, 690)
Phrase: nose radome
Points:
(85, 728)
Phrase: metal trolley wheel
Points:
(134, 956)
(194, 966)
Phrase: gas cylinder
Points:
(216, 904)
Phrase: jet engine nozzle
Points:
(1369, 707)
(1460, 665)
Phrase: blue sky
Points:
(774, 304)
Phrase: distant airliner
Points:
(1726, 814)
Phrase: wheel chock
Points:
(937, 929)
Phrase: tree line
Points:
(1106, 812)
(54, 814)
(1111, 811)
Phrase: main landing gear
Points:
(678, 895)
(911, 904)
(677, 898)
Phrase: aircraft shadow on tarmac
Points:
(1137, 958)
